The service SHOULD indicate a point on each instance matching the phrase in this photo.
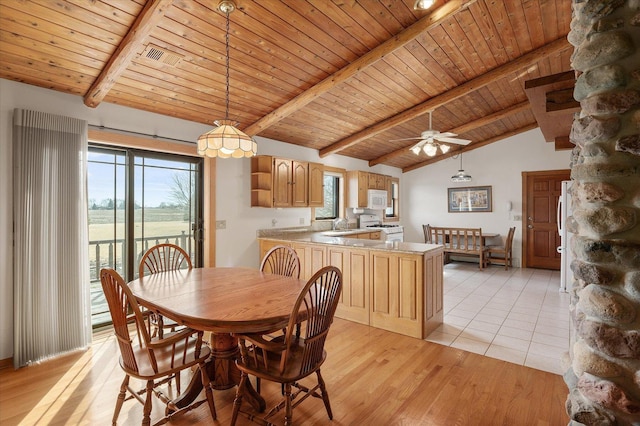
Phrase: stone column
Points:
(603, 374)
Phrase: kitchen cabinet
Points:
(354, 300)
(376, 181)
(312, 258)
(359, 182)
(316, 185)
(281, 182)
(290, 183)
(398, 289)
(266, 245)
(358, 185)
(397, 292)
(389, 188)
(261, 181)
(368, 235)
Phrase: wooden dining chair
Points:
(160, 258)
(293, 358)
(502, 255)
(153, 360)
(281, 260)
(426, 229)
(164, 257)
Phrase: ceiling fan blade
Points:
(445, 135)
(454, 140)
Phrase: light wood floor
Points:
(373, 377)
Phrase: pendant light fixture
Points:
(461, 176)
(226, 141)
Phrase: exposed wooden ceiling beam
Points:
(455, 93)
(522, 106)
(471, 147)
(396, 42)
(129, 47)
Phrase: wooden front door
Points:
(540, 192)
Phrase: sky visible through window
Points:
(106, 178)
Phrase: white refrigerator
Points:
(564, 211)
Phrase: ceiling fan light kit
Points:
(431, 140)
(423, 4)
(225, 140)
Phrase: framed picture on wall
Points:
(469, 199)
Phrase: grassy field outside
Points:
(159, 223)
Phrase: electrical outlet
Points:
(221, 224)
(517, 217)
(302, 221)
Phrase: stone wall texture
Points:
(603, 368)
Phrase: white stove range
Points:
(389, 232)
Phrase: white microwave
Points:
(376, 199)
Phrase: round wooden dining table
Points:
(223, 301)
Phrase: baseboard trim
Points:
(6, 363)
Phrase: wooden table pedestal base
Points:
(223, 372)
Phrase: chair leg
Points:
(206, 383)
(146, 411)
(237, 402)
(121, 395)
(325, 395)
(288, 411)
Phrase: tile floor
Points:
(518, 315)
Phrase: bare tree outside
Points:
(182, 189)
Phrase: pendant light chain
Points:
(225, 140)
(226, 114)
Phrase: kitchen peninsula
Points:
(392, 285)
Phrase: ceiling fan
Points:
(428, 141)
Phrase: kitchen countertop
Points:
(318, 238)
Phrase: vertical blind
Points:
(52, 308)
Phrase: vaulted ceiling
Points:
(340, 76)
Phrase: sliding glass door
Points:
(138, 199)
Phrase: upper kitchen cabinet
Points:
(377, 181)
(281, 182)
(290, 183)
(358, 185)
(360, 182)
(316, 185)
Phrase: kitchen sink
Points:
(338, 232)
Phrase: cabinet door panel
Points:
(282, 175)
(300, 184)
(312, 258)
(354, 301)
(433, 293)
(407, 281)
(316, 185)
(397, 293)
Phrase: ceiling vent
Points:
(158, 54)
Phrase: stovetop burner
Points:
(382, 226)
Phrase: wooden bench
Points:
(460, 242)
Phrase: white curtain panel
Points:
(52, 307)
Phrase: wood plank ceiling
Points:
(339, 76)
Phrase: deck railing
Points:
(109, 254)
